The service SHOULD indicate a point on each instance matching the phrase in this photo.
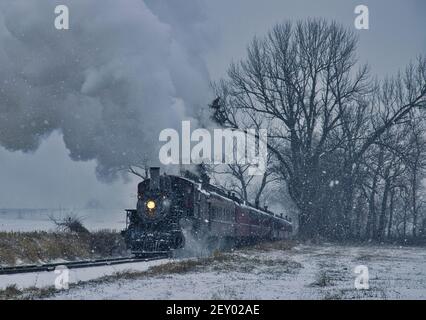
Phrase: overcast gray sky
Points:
(160, 57)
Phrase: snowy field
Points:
(39, 219)
(304, 272)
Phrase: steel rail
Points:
(8, 270)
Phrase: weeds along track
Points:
(82, 264)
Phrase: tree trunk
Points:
(414, 201)
(382, 217)
(391, 205)
(372, 219)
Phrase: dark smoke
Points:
(124, 71)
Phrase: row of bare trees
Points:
(349, 148)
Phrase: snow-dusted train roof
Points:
(209, 190)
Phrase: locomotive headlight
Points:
(150, 204)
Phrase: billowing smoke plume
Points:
(122, 72)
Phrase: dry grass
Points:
(33, 247)
(218, 261)
(276, 245)
(323, 279)
(10, 292)
(178, 267)
(13, 293)
(354, 294)
(70, 223)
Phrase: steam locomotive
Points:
(170, 207)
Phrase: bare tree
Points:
(139, 168)
(70, 223)
(302, 81)
(247, 187)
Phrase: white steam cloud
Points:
(124, 71)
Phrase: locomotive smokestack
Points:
(154, 183)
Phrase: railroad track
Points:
(81, 264)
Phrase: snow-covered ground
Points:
(304, 272)
(39, 219)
